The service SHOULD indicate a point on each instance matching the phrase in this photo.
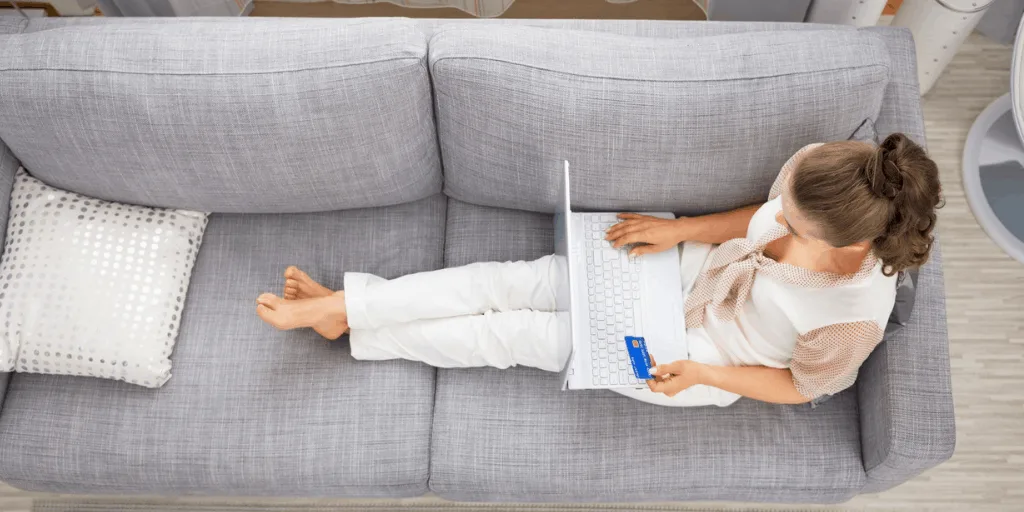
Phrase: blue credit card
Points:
(638, 356)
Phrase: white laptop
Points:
(610, 296)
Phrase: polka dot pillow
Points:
(93, 288)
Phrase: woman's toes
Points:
(268, 315)
(269, 300)
(304, 287)
(294, 272)
(292, 290)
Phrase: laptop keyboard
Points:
(613, 283)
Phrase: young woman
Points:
(784, 300)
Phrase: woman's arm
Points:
(717, 228)
(774, 385)
(660, 234)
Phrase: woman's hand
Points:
(658, 234)
(672, 378)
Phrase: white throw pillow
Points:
(93, 288)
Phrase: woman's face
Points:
(803, 231)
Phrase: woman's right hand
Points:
(658, 234)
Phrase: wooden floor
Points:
(586, 9)
(985, 292)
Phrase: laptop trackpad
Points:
(664, 320)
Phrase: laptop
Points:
(610, 295)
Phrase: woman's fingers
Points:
(645, 249)
(631, 220)
(659, 386)
(622, 228)
(631, 215)
(628, 238)
(666, 370)
(619, 230)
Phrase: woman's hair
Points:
(888, 195)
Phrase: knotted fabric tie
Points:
(725, 285)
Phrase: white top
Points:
(757, 311)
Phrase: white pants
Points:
(483, 314)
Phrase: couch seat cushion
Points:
(249, 410)
(633, 115)
(513, 435)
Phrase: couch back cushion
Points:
(225, 115)
(685, 125)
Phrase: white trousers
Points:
(482, 314)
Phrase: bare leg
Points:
(326, 315)
(298, 285)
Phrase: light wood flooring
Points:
(985, 290)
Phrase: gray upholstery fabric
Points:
(647, 28)
(901, 110)
(642, 28)
(519, 235)
(513, 435)
(906, 398)
(37, 24)
(12, 24)
(254, 116)
(8, 166)
(249, 410)
(252, 411)
(633, 115)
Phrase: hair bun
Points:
(883, 172)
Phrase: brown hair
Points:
(887, 195)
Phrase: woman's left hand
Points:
(672, 378)
(656, 234)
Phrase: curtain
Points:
(175, 7)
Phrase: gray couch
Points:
(392, 146)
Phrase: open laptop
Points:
(610, 295)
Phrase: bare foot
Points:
(298, 285)
(325, 315)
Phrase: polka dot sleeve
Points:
(826, 360)
(787, 169)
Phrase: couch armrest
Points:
(904, 392)
(8, 166)
(901, 106)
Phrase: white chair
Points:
(993, 164)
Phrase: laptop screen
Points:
(563, 243)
